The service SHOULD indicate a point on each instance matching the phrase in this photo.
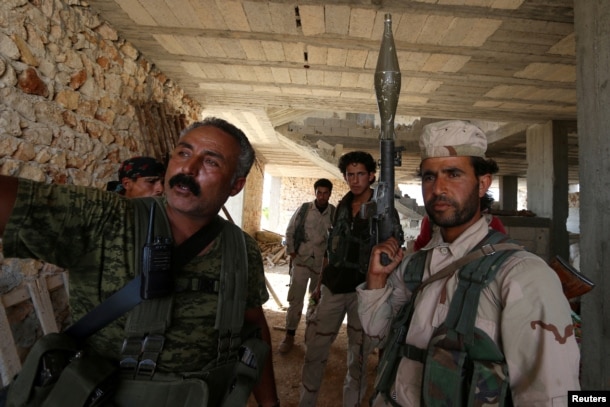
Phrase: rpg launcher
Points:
(382, 215)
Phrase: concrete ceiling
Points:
(272, 66)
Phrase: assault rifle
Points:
(384, 220)
(573, 282)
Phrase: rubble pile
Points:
(272, 249)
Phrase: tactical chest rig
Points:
(88, 380)
(462, 365)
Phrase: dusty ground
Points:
(288, 366)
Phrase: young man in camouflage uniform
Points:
(91, 232)
(309, 224)
(348, 246)
(522, 310)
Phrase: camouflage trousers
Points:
(322, 329)
(301, 276)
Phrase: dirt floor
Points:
(288, 366)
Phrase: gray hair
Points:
(246, 155)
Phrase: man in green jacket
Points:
(91, 233)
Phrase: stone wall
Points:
(69, 87)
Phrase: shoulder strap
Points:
(473, 277)
(415, 270)
(154, 316)
(302, 215)
(478, 252)
(146, 323)
(129, 296)
(232, 296)
(299, 227)
(495, 242)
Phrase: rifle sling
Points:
(485, 250)
(129, 296)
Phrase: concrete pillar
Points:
(509, 191)
(275, 189)
(253, 200)
(592, 27)
(233, 209)
(547, 179)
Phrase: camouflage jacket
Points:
(523, 310)
(91, 233)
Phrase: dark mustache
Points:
(442, 198)
(185, 181)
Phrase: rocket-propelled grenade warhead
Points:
(387, 81)
(384, 219)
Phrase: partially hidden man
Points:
(493, 328)
(141, 176)
(306, 236)
(91, 232)
(348, 252)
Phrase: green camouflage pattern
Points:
(91, 233)
(490, 385)
(458, 375)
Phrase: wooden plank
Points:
(10, 364)
(39, 293)
(273, 294)
(312, 19)
(21, 293)
(64, 281)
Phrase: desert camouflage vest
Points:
(463, 366)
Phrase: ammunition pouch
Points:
(342, 246)
(390, 359)
(469, 375)
(176, 392)
(246, 372)
(57, 372)
(226, 385)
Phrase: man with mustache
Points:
(499, 342)
(91, 232)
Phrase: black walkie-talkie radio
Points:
(157, 278)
